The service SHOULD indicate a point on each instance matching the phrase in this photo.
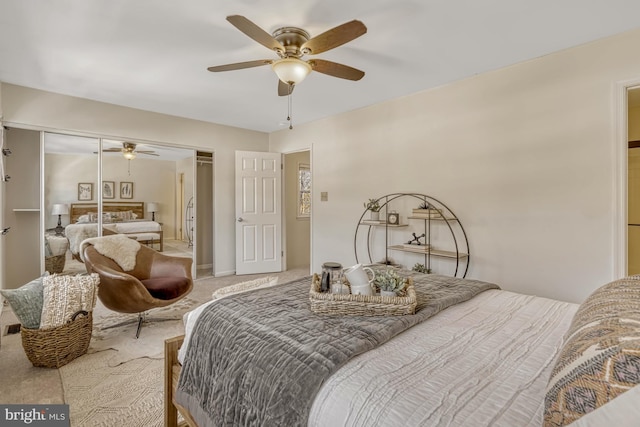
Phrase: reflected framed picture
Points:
(126, 190)
(108, 189)
(85, 191)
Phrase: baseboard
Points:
(224, 273)
(202, 266)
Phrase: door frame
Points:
(284, 211)
(621, 158)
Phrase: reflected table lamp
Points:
(153, 208)
(60, 209)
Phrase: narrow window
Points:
(304, 190)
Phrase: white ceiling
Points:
(153, 55)
(56, 143)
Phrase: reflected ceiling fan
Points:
(129, 151)
(291, 44)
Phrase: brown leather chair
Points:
(157, 280)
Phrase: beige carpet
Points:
(120, 380)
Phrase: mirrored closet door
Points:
(141, 191)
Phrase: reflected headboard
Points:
(78, 209)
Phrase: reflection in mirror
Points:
(70, 178)
(141, 196)
(147, 177)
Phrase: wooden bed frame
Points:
(171, 375)
(78, 209)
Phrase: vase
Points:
(374, 216)
(387, 293)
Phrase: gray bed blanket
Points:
(259, 358)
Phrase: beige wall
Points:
(298, 230)
(523, 155)
(22, 191)
(28, 107)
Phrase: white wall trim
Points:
(620, 168)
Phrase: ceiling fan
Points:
(291, 44)
(129, 151)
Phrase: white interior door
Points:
(258, 212)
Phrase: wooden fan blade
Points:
(255, 32)
(336, 70)
(240, 65)
(334, 37)
(148, 153)
(284, 89)
(112, 150)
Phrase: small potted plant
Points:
(420, 268)
(390, 283)
(426, 210)
(373, 206)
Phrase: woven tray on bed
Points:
(361, 305)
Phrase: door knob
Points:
(240, 219)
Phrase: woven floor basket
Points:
(55, 347)
(361, 305)
(54, 264)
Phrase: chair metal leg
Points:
(142, 318)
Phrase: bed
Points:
(118, 218)
(491, 357)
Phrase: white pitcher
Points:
(359, 279)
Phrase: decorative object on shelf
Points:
(126, 190)
(373, 206)
(390, 282)
(153, 208)
(393, 218)
(60, 209)
(416, 239)
(420, 268)
(85, 191)
(108, 189)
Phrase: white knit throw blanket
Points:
(118, 247)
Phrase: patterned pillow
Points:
(26, 302)
(64, 295)
(600, 358)
(263, 282)
(124, 215)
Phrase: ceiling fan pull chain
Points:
(129, 167)
(290, 105)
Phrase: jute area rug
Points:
(119, 382)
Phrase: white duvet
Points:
(479, 363)
(77, 233)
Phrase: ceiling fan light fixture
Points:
(129, 155)
(291, 70)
